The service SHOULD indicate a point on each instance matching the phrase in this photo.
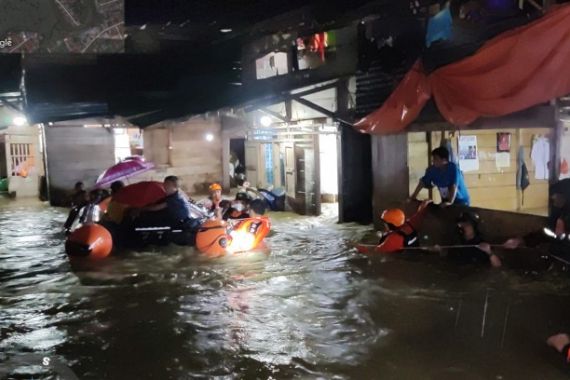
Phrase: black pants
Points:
(70, 218)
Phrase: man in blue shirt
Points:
(176, 204)
(447, 177)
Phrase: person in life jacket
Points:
(256, 209)
(239, 207)
(401, 233)
(249, 233)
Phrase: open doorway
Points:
(237, 162)
(311, 172)
(128, 143)
(3, 167)
(329, 180)
(299, 161)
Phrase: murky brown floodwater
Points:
(311, 309)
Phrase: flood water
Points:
(312, 308)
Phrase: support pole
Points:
(45, 159)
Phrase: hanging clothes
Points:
(318, 44)
(523, 181)
(540, 156)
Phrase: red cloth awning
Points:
(514, 71)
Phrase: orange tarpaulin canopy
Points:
(514, 71)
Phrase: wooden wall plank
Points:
(197, 161)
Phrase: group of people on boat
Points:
(132, 227)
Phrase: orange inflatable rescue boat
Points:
(90, 240)
(217, 237)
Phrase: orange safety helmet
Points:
(394, 217)
(215, 187)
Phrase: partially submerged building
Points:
(297, 86)
(21, 150)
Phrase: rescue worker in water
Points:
(400, 233)
(479, 252)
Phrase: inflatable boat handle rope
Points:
(430, 248)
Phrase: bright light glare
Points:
(209, 137)
(265, 121)
(241, 241)
(19, 121)
(548, 232)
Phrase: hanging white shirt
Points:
(540, 156)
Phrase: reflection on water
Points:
(310, 309)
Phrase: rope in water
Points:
(431, 248)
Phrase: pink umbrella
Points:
(129, 167)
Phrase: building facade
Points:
(21, 161)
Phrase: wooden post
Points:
(288, 110)
(342, 110)
(556, 152)
(341, 217)
(317, 174)
(430, 148)
(519, 192)
(225, 162)
(390, 172)
(169, 148)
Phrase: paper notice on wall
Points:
(503, 160)
(468, 153)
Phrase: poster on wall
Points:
(503, 160)
(503, 142)
(468, 153)
(271, 65)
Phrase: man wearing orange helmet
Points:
(401, 233)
